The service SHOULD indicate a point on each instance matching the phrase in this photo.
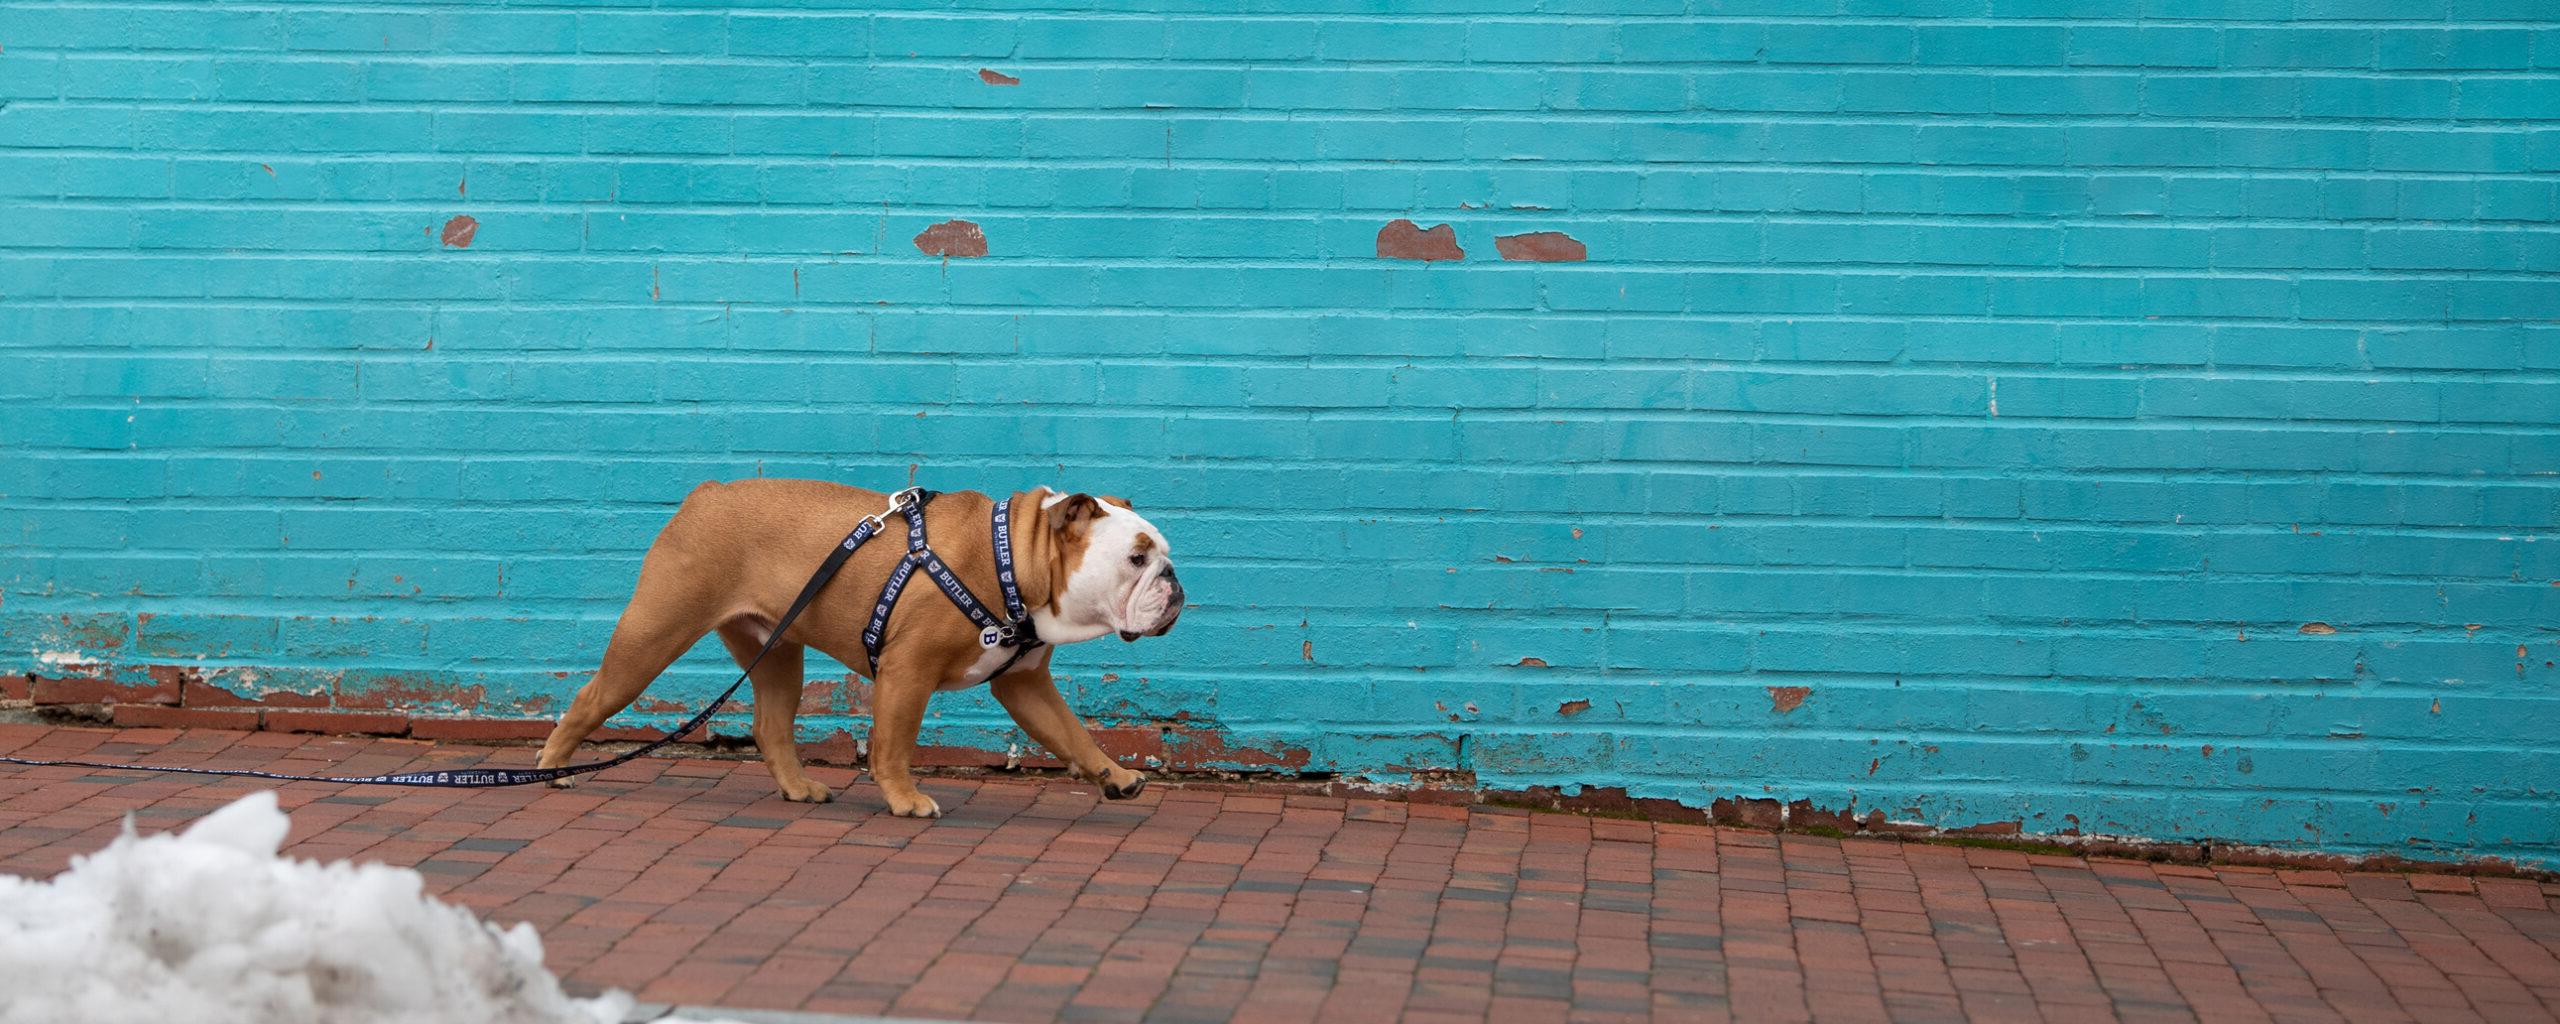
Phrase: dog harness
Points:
(1014, 630)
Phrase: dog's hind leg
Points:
(664, 619)
(778, 681)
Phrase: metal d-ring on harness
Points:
(1016, 632)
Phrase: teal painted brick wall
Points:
(2126, 416)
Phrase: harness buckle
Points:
(899, 502)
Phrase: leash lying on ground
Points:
(1016, 632)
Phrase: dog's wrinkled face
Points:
(1125, 580)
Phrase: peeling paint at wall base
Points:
(1270, 771)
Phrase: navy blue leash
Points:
(476, 778)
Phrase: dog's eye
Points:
(1138, 559)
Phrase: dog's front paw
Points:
(809, 791)
(1121, 784)
(916, 806)
(568, 782)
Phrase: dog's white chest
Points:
(981, 670)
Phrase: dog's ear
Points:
(1074, 511)
(1120, 501)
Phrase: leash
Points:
(910, 501)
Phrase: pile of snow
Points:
(209, 925)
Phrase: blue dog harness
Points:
(1014, 630)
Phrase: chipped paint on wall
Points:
(1402, 239)
(958, 239)
(459, 231)
(1541, 247)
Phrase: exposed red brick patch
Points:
(992, 76)
(956, 757)
(161, 687)
(1190, 749)
(952, 238)
(458, 231)
(2317, 629)
(1126, 742)
(1573, 707)
(1783, 699)
(1404, 240)
(155, 716)
(1803, 814)
(1032, 756)
(479, 728)
(1532, 663)
(203, 693)
(1540, 247)
(1753, 812)
(1307, 650)
(838, 748)
(337, 722)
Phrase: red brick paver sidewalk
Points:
(689, 881)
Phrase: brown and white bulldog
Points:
(736, 554)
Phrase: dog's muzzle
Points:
(1172, 610)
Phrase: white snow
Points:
(210, 926)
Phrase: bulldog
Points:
(735, 556)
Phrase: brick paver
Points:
(688, 881)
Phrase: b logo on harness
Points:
(990, 636)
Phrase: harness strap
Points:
(1014, 631)
(478, 778)
(879, 624)
(1013, 610)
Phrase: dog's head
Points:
(1117, 566)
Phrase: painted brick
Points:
(1987, 370)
